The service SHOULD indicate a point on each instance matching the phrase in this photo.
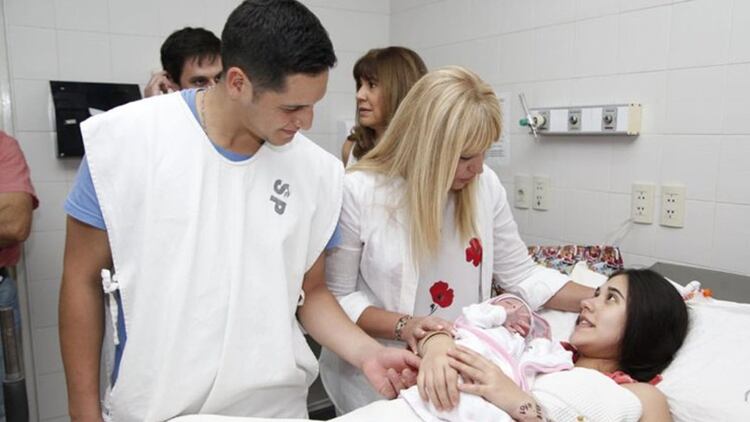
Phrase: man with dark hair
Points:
(191, 58)
(201, 219)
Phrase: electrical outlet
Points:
(673, 206)
(642, 203)
(541, 193)
(523, 188)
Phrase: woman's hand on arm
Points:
(418, 327)
(485, 379)
(437, 380)
(380, 323)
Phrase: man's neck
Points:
(219, 115)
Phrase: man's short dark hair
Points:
(272, 39)
(188, 44)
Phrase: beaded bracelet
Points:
(400, 324)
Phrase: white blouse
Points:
(372, 264)
(452, 279)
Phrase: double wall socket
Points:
(642, 203)
(673, 206)
(523, 191)
(541, 198)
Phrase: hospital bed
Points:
(708, 381)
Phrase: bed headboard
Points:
(725, 286)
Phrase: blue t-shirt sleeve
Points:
(82, 203)
(335, 239)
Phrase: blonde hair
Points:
(395, 69)
(449, 113)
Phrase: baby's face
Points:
(518, 318)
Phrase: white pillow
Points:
(709, 380)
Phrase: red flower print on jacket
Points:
(442, 295)
(474, 252)
(474, 256)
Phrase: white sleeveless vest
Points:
(209, 257)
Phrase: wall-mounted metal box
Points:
(77, 101)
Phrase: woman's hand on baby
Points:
(437, 381)
(485, 379)
(418, 327)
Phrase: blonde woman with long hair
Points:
(383, 77)
(426, 227)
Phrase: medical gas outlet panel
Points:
(613, 119)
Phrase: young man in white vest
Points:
(201, 218)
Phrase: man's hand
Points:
(391, 370)
(160, 84)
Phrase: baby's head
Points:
(518, 316)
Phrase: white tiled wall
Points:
(118, 41)
(687, 62)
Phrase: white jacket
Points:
(209, 257)
(372, 266)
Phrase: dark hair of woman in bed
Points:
(656, 324)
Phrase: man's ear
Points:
(238, 83)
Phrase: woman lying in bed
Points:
(625, 336)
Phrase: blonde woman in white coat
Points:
(425, 229)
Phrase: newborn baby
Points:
(506, 331)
